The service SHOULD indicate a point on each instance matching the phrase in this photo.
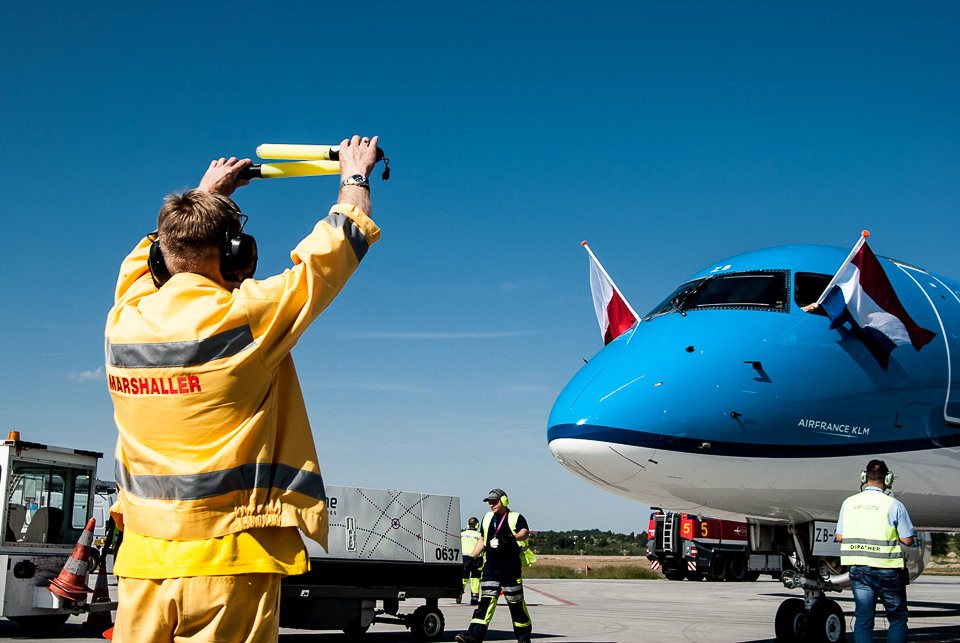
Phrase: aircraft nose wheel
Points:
(824, 623)
(792, 622)
(827, 622)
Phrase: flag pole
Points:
(856, 248)
(605, 274)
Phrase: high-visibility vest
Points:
(468, 541)
(527, 557)
(868, 537)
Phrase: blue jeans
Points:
(870, 583)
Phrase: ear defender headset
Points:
(887, 479)
(158, 267)
(238, 254)
(504, 500)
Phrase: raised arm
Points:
(357, 156)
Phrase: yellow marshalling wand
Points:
(310, 160)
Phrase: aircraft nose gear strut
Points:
(814, 617)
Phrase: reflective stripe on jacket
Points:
(213, 430)
(868, 537)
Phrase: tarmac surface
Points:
(629, 611)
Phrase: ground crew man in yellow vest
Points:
(216, 463)
(505, 545)
(871, 527)
(472, 567)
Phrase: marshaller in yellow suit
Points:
(215, 460)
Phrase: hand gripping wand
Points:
(310, 160)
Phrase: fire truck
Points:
(685, 546)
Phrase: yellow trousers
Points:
(200, 609)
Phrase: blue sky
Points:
(670, 135)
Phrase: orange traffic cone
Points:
(108, 634)
(101, 594)
(72, 581)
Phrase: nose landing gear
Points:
(823, 622)
(815, 618)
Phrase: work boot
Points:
(465, 638)
(475, 599)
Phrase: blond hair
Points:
(192, 227)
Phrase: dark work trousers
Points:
(509, 582)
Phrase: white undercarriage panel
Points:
(787, 489)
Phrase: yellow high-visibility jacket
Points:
(868, 537)
(213, 431)
(468, 540)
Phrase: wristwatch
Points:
(356, 179)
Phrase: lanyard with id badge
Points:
(495, 542)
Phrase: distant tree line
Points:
(944, 543)
(589, 542)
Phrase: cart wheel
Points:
(426, 623)
(94, 563)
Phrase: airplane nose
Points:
(625, 391)
(663, 389)
(673, 384)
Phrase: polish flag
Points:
(614, 314)
(861, 294)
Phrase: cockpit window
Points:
(754, 290)
(807, 288)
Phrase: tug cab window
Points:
(807, 288)
(754, 290)
(46, 504)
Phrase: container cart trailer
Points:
(385, 548)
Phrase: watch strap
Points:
(356, 179)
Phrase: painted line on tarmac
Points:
(562, 601)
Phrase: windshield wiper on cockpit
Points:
(684, 300)
(680, 301)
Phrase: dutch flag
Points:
(614, 314)
(860, 293)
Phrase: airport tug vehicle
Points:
(50, 493)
